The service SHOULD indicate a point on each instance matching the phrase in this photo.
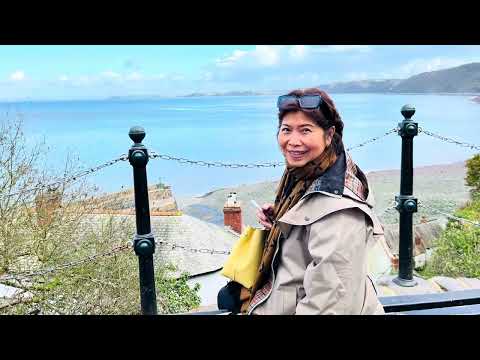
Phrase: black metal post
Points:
(406, 203)
(144, 242)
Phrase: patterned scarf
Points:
(293, 185)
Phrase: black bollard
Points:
(406, 203)
(144, 242)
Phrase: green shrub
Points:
(174, 294)
(473, 173)
(457, 251)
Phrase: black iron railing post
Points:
(144, 242)
(406, 203)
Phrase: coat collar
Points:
(329, 194)
(332, 182)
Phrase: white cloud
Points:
(340, 48)
(261, 56)
(17, 76)
(232, 59)
(299, 52)
(267, 55)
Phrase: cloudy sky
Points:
(43, 72)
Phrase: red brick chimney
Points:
(233, 213)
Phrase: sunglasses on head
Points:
(285, 102)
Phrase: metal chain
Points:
(155, 155)
(56, 184)
(448, 215)
(193, 250)
(449, 140)
(372, 140)
(91, 258)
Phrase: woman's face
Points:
(301, 139)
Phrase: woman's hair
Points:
(326, 116)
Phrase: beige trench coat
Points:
(321, 263)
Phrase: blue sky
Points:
(41, 72)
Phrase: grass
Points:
(457, 251)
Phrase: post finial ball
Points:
(408, 111)
(137, 134)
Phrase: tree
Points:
(48, 223)
(473, 173)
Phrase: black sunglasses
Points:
(285, 102)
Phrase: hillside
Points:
(229, 93)
(439, 186)
(362, 86)
(460, 79)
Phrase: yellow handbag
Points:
(244, 260)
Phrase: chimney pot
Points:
(233, 213)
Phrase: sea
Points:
(234, 130)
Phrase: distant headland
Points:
(464, 80)
(460, 80)
(229, 93)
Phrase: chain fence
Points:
(392, 210)
(71, 264)
(155, 155)
(372, 140)
(449, 140)
(164, 245)
(53, 186)
(450, 216)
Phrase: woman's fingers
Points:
(266, 224)
(262, 217)
(268, 208)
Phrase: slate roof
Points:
(194, 233)
(188, 231)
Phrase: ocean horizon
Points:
(233, 129)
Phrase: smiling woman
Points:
(314, 257)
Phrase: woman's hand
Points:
(262, 215)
